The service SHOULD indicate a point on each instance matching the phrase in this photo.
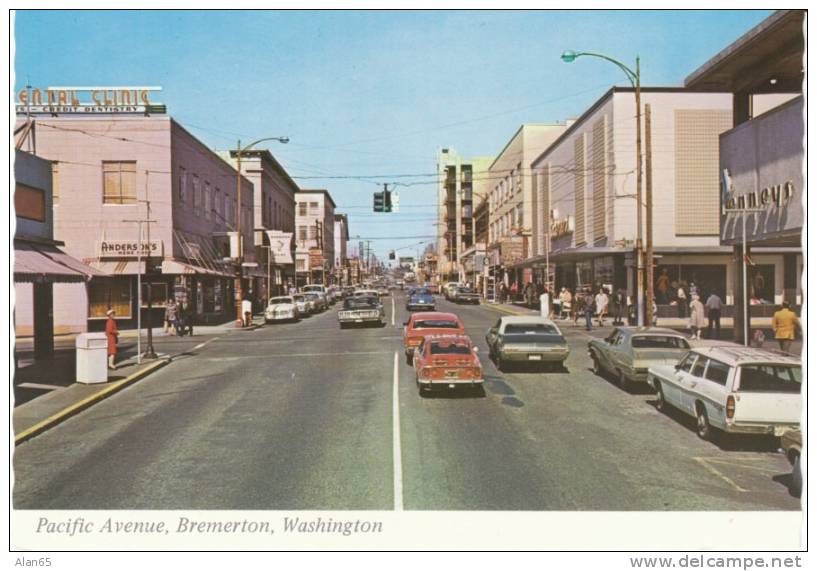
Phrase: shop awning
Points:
(186, 268)
(119, 268)
(45, 262)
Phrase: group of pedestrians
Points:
(178, 318)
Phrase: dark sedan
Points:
(420, 298)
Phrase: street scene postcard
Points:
(408, 280)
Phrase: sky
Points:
(368, 97)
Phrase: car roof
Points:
(648, 330)
(506, 319)
(736, 355)
(433, 315)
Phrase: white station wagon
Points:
(733, 389)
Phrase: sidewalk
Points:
(676, 323)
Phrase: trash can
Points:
(544, 305)
(92, 358)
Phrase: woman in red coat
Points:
(113, 336)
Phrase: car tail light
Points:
(730, 407)
(431, 373)
(414, 341)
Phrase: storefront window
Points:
(605, 272)
(708, 278)
(584, 275)
(761, 284)
(157, 293)
(109, 293)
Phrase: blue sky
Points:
(363, 93)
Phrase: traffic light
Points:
(378, 202)
(386, 201)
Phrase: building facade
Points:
(315, 237)
(586, 186)
(513, 206)
(341, 266)
(113, 172)
(461, 183)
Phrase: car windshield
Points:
(659, 342)
(466, 290)
(530, 329)
(311, 296)
(298, 298)
(360, 303)
(450, 348)
(770, 378)
(277, 300)
(436, 324)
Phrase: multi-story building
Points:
(586, 185)
(273, 218)
(314, 236)
(461, 182)
(341, 269)
(513, 209)
(761, 161)
(110, 172)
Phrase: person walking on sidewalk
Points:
(682, 301)
(246, 311)
(602, 301)
(619, 306)
(697, 320)
(588, 309)
(112, 335)
(578, 306)
(713, 307)
(784, 324)
(171, 313)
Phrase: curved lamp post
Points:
(635, 80)
(239, 296)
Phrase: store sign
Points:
(512, 250)
(72, 100)
(561, 227)
(280, 246)
(128, 249)
(315, 259)
(776, 195)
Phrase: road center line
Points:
(397, 453)
(392, 311)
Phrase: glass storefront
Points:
(707, 278)
(110, 293)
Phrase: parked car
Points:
(464, 294)
(446, 361)
(528, 339)
(428, 323)
(628, 352)
(318, 300)
(305, 307)
(449, 289)
(420, 298)
(732, 389)
(281, 308)
(319, 289)
(792, 443)
(361, 311)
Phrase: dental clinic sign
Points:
(87, 100)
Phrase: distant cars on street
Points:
(361, 310)
(446, 361)
(526, 339)
(428, 323)
(281, 308)
(420, 298)
(464, 294)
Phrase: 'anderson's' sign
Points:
(127, 249)
(67, 100)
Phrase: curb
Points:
(503, 309)
(87, 402)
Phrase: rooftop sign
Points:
(72, 100)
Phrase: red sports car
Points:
(447, 361)
(428, 323)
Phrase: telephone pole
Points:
(649, 255)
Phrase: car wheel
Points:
(796, 478)
(660, 401)
(623, 382)
(500, 363)
(703, 428)
(597, 366)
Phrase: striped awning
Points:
(120, 268)
(34, 262)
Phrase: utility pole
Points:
(139, 288)
(649, 255)
(149, 352)
(239, 295)
(639, 254)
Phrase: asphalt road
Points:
(302, 416)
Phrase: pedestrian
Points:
(514, 291)
(784, 323)
(578, 306)
(662, 285)
(171, 310)
(246, 311)
(654, 313)
(112, 335)
(567, 299)
(696, 316)
(588, 309)
(682, 301)
(601, 305)
(619, 306)
(189, 317)
(713, 308)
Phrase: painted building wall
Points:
(323, 211)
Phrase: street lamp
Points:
(634, 77)
(239, 151)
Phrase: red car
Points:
(447, 361)
(428, 323)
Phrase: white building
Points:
(314, 236)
